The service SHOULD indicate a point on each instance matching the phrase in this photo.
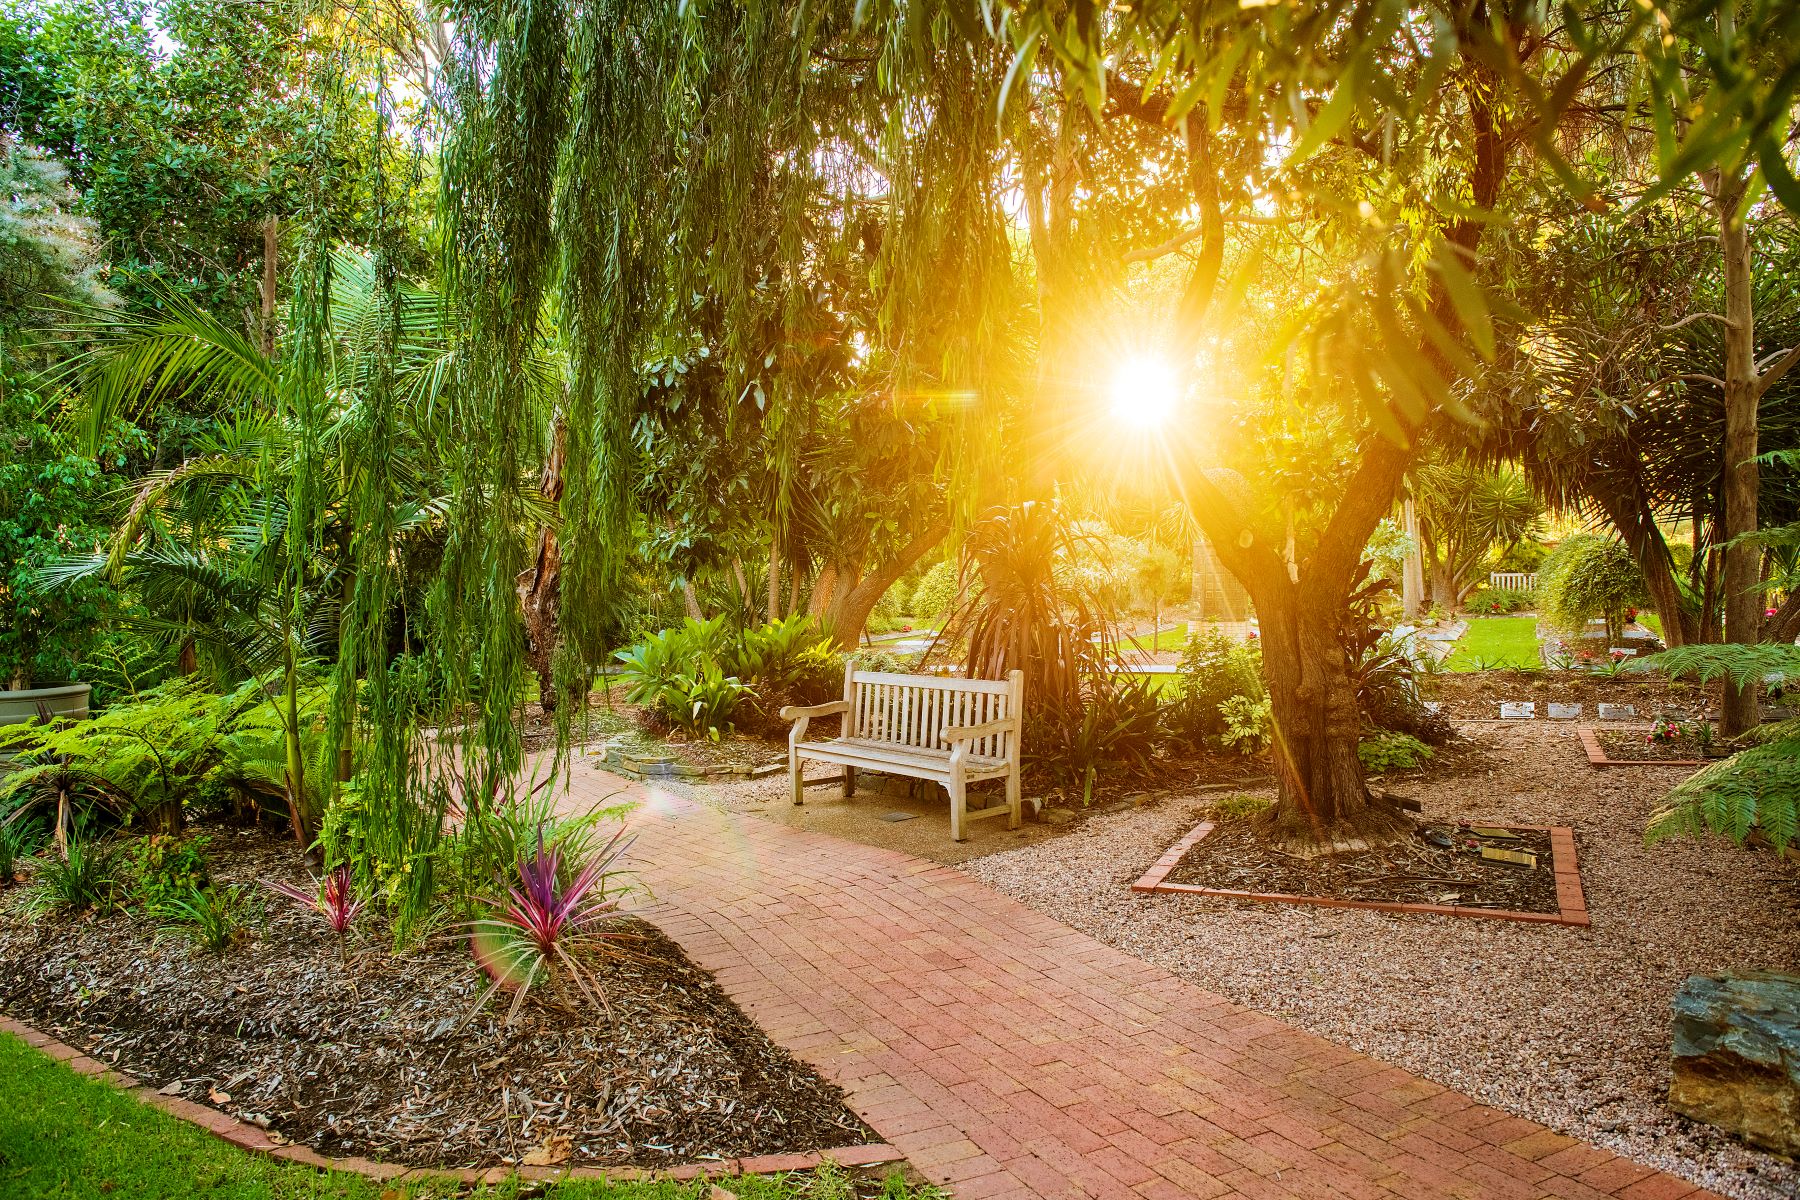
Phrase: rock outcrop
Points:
(1737, 1056)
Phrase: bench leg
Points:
(794, 778)
(959, 806)
(1012, 797)
(849, 782)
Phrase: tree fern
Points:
(1757, 788)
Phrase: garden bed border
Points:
(1597, 756)
(1570, 900)
(253, 1138)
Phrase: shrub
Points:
(676, 675)
(91, 874)
(696, 675)
(167, 867)
(880, 660)
(1590, 576)
(1758, 788)
(1240, 807)
(17, 839)
(1387, 691)
(1248, 723)
(1214, 669)
(545, 922)
(213, 918)
(1388, 750)
(1497, 601)
(936, 594)
(1117, 726)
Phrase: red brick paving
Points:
(1010, 1056)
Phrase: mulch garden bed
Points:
(1476, 695)
(1625, 745)
(1421, 870)
(372, 1057)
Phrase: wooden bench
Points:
(947, 731)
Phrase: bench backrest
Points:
(914, 710)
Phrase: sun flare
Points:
(1145, 392)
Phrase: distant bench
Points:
(947, 731)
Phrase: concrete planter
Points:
(63, 700)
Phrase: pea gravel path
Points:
(1564, 1026)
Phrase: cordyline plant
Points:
(333, 897)
(545, 921)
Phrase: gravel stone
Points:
(1565, 1026)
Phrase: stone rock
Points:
(1617, 712)
(1056, 816)
(1737, 1056)
(1515, 710)
(1564, 712)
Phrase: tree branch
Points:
(1169, 246)
(1769, 378)
(1699, 316)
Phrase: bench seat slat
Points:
(885, 756)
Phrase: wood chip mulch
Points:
(1414, 871)
(372, 1057)
(1626, 745)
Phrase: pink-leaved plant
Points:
(333, 897)
(545, 920)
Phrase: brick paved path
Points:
(1011, 1056)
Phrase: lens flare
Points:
(1145, 393)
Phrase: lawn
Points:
(1496, 642)
(64, 1135)
(1173, 638)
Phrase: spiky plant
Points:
(89, 874)
(548, 918)
(212, 918)
(334, 897)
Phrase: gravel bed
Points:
(1565, 1026)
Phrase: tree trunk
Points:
(540, 586)
(271, 255)
(854, 602)
(1743, 598)
(1643, 537)
(774, 578)
(1324, 805)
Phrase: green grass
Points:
(1496, 642)
(66, 1136)
(1175, 638)
(1652, 622)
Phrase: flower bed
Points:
(371, 1055)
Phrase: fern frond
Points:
(1742, 664)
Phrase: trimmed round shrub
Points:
(936, 593)
(1589, 576)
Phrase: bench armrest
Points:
(968, 733)
(792, 713)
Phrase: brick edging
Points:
(1571, 902)
(249, 1137)
(1597, 755)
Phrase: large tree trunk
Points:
(540, 586)
(843, 601)
(1325, 803)
(1742, 573)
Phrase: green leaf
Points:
(1330, 120)
(1466, 298)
